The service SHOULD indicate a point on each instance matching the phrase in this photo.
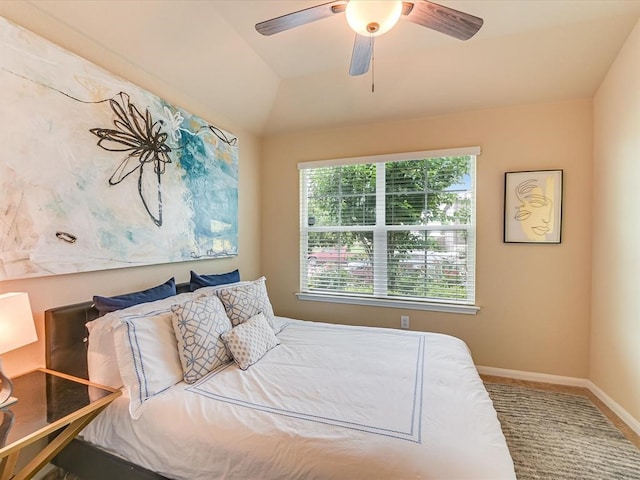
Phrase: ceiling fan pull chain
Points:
(373, 65)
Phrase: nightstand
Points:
(48, 402)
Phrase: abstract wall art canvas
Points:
(97, 173)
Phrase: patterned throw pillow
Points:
(249, 341)
(245, 301)
(198, 325)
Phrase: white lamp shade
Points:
(16, 322)
(384, 14)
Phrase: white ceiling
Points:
(527, 51)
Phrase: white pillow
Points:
(198, 325)
(102, 360)
(244, 301)
(147, 357)
(249, 341)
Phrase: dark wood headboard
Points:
(66, 336)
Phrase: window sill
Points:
(392, 303)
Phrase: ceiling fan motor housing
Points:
(373, 17)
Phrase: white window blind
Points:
(392, 227)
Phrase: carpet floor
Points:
(559, 436)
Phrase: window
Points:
(397, 230)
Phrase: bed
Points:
(325, 401)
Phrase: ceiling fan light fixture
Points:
(373, 17)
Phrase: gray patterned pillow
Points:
(242, 302)
(249, 341)
(198, 325)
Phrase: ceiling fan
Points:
(370, 18)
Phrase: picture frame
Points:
(98, 173)
(533, 206)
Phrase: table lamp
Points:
(16, 330)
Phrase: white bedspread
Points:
(329, 402)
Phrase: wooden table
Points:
(48, 402)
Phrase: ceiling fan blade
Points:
(443, 19)
(301, 17)
(361, 56)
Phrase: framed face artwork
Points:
(533, 206)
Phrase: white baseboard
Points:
(615, 407)
(625, 416)
(534, 377)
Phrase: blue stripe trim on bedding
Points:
(408, 432)
(137, 361)
(144, 391)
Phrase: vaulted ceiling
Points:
(527, 51)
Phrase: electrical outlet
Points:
(404, 321)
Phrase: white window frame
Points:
(380, 236)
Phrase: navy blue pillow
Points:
(111, 304)
(199, 281)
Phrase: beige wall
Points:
(615, 331)
(534, 298)
(47, 292)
